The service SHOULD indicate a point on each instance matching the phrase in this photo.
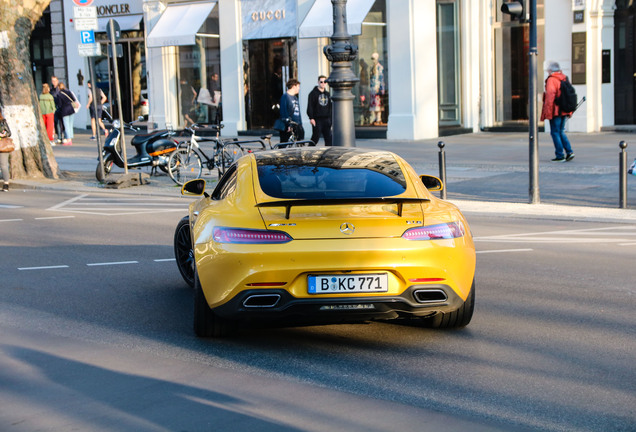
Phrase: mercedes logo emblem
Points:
(347, 228)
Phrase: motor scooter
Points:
(153, 149)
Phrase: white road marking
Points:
(11, 220)
(504, 251)
(43, 267)
(613, 234)
(164, 260)
(10, 206)
(120, 206)
(112, 263)
(54, 217)
(627, 244)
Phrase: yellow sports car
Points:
(324, 235)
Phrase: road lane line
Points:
(112, 263)
(627, 244)
(10, 206)
(54, 217)
(43, 267)
(164, 260)
(11, 220)
(505, 251)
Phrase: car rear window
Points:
(329, 173)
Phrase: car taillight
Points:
(248, 236)
(435, 232)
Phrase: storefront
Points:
(131, 58)
(424, 68)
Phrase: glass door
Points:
(132, 78)
(625, 63)
(512, 41)
(269, 64)
(448, 63)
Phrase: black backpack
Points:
(567, 102)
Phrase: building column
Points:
(412, 58)
(600, 36)
(232, 81)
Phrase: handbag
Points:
(74, 103)
(6, 145)
(280, 125)
(4, 129)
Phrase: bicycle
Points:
(186, 162)
(292, 142)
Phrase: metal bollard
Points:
(442, 168)
(622, 175)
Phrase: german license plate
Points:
(352, 283)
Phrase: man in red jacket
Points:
(552, 112)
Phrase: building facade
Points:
(425, 68)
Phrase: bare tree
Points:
(33, 156)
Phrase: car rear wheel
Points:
(206, 322)
(456, 319)
(183, 253)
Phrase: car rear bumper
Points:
(275, 304)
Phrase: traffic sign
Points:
(85, 24)
(87, 36)
(89, 49)
(84, 12)
(114, 37)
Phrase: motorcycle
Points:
(153, 149)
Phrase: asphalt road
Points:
(95, 334)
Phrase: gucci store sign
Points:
(266, 19)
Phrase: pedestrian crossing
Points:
(120, 206)
(621, 235)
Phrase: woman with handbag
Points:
(68, 105)
(6, 147)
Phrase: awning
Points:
(179, 24)
(126, 22)
(319, 20)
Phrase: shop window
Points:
(200, 76)
(371, 103)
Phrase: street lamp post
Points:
(341, 53)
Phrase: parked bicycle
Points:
(187, 162)
(292, 142)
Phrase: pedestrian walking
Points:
(68, 104)
(552, 112)
(57, 118)
(319, 112)
(96, 116)
(47, 108)
(5, 134)
(290, 109)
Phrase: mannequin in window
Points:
(376, 90)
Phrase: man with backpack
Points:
(557, 107)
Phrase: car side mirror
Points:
(432, 183)
(193, 187)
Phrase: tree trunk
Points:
(33, 156)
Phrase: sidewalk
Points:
(486, 173)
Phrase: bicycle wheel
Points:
(230, 153)
(184, 165)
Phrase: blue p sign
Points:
(87, 36)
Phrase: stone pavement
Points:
(486, 173)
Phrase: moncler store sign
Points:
(266, 19)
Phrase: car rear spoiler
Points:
(288, 204)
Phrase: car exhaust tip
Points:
(261, 301)
(430, 296)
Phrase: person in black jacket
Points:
(319, 112)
